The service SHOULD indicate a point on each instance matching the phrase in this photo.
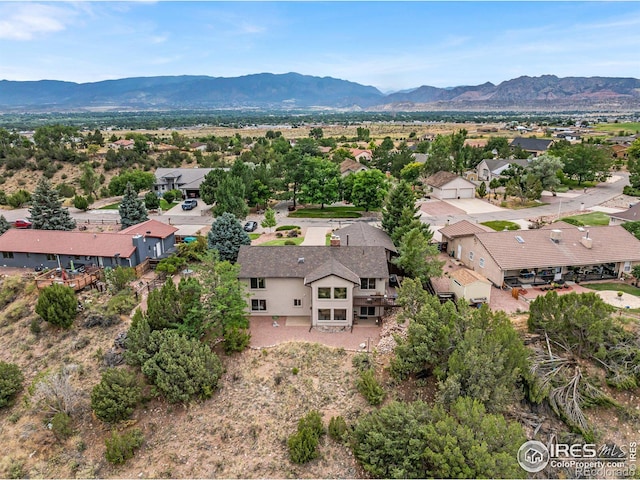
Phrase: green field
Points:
(500, 225)
(615, 128)
(616, 287)
(588, 219)
(327, 212)
(281, 241)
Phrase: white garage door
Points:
(448, 193)
(466, 193)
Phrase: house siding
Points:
(279, 294)
(332, 304)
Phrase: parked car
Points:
(250, 226)
(189, 204)
(21, 223)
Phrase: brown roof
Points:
(150, 228)
(285, 261)
(67, 243)
(463, 228)
(361, 234)
(632, 214)
(349, 165)
(440, 179)
(465, 277)
(610, 244)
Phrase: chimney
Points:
(586, 241)
(556, 235)
(335, 240)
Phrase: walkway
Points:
(315, 236)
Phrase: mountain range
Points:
(293, 91)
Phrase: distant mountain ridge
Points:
(296, 91)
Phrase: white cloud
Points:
(26, 21)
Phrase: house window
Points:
(340, 314)
(340, 293)
(627, 267)
(297, 302)
(258, 283)
(7, 254)
(481, 262)
(258, 305)
(51, 256)
(324, 292)
(471, 256)
(324, 314)
(367, 311)
(367, 283)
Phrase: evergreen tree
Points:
(482, 190)
(151, 201)
(58, 305)
(46, 209)
(400, 197)
(226, 236)
(116, 396)
(417, 257)
(4, 224)
(132, 209)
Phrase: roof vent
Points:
(300, 259)
(556, 235)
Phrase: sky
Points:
(389, 45)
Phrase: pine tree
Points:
(226, 236)
(4, 224)
(400, 197)
(132, 209)
(46, 209)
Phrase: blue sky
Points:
(390, 45)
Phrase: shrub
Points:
(61, 425)
(81, 203)
(338, 428)
(116, 396)
(287, 227)
(121, 303)
(369, 387)
(289, 242)
(313, 422)
(295, 370)
(292, 233)
(151, 201)
(118, 278)
(121, 448)
(180, 367)
(11, 379)
(58, 305)
(54, 393)
(278, 235)
(303, 446)
(361, 362)
(236, 339)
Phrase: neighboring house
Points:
(361, 155)
(556, 252)
(447, 185)
(632, 214)
(534, 146)
(57, 248)
(568, 136)
(362, 234)
(452, 233)
(122, 145)
(187, 180)
(201, 147)
(324, 150)
(420, 157)
(470, 285)
(620, 151)
(348, 166)
(488, 169)
(324, 285)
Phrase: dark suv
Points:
(189, 204)
(250, 226)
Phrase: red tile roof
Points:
(150, 228)
(67, 243)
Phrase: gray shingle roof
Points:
(463, 228)
(531, 144)
(610, 244)
(332, 267)
(361, 234)
(284, 261)
(440, 179)
(186, 176)
(632, 214)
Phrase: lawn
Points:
(616, 287)
(111, 206)
(281, 241)
(573, 184)
(500, 225)
(588, 219)
(253, 236)
(615, 128)
(164, 205)
(327, 212)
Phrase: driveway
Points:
(474, 205)
(315, 236)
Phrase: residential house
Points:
(324, 285)
(632, 214)
(452, 235)
(122, 145)
(447, 185)
(58, 249)
(363, 234)
(348, 166)
(534, 146)
(420, 157)
(187, 180)
(620, 151)
(199, 146)
(488, 169)
(361, 155)
(554, 253)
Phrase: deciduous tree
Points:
(369, 189)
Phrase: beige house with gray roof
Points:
(557, 253)
(325, 285)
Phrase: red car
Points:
(21, 223)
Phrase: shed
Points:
(470, 285)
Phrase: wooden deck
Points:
(77, 281)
